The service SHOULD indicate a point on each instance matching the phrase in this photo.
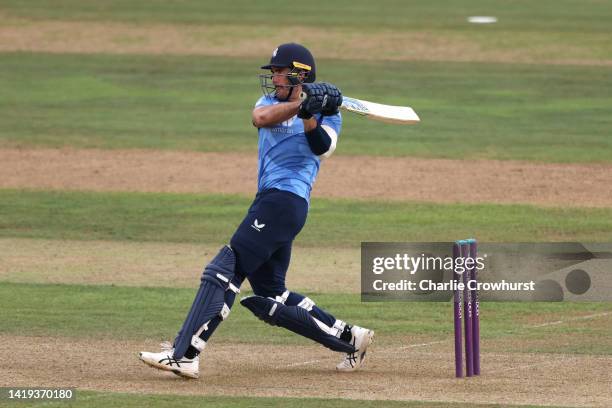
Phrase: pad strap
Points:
(196, 341)
(306, 303)
(337, 328)
(283, 297)
(224, 312)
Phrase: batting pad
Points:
(295, 319)
(209, 300)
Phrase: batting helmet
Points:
(294, 56)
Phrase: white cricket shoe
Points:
(165, 360)
(361, 339)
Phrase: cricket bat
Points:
(401, 115)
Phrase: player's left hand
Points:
(319, 97)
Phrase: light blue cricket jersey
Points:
(285, 159)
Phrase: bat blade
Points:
(402, 115)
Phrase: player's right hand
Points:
(313, 98)
(334, 99)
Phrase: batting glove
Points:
(313, 100)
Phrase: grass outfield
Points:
(154, 313)
(213, 218)
(521, 15)
(469, 110)
(537, 89)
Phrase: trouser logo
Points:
(257, 226)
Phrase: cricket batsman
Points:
(298, 123)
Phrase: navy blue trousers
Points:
(263, 240)
(262, 245)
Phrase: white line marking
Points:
(593, 316)
(545, 324)
(410, 346)
(525, 366)
(299, 364)
(422, 344)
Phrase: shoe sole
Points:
(162, 367)
(370, 339)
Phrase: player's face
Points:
(281, 82)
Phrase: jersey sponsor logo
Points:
(283, 130)
(285, 127)
(257, 226)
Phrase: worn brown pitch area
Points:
(353, 177)
(419, 373)
(256, 40)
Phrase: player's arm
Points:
(270, 115)
(321, 139)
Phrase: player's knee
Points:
(295, 299)
(221, 270)
(289, 298)
(279, 296)
(274, 291)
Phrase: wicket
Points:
(469, 311)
